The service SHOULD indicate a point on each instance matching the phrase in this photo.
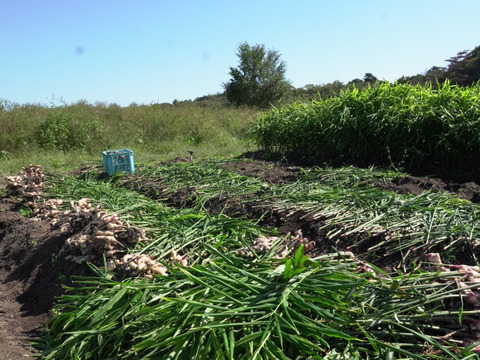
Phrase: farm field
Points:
(242, 259)
(314, 254)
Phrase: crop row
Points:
(227, 306)
(358, 273)
(404, 125)
(336, 208)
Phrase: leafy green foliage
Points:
(216, 310)
(385, 223)
(4, 155)
(186, 230)
(79, 132)
(464, 68)
(53, 132)
(25, 210)
(295, 265)
(60, 131)
(259, 79)
(234, 309)
(404, 125)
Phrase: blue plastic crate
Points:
(118, 161)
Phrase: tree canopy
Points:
(259, 80)
(463, 69)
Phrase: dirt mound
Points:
(265, 171)
(465, 187)
(31, 277)
(416, 185)
(16, 321)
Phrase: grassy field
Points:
(61, 137)
(405, 126)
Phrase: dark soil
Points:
(465, 185)
(265, 171)
(416, 185)
(31, 277)
(32, 274)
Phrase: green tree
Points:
(433, 76)
(464, 68)
(370, 78)
(457, 70)
(259, 80)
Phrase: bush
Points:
(60, 131)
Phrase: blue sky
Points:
(148, 51)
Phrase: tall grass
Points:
(82, 131)
(406, 125)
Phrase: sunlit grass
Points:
(403, 125)
(63, 136)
